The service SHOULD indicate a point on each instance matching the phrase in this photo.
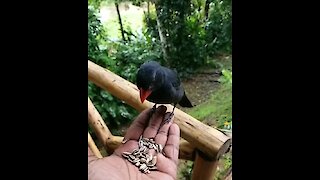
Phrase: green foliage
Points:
(226, 161)
(94, 32)
(137, 2)
(185, 170)
(150, 25)
(226, 76)
(113, 111)
(190, 39)
(130, 55)
(181, 30)
(219, 28)
(95, 3)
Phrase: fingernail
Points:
(124, 140)
(162, 109)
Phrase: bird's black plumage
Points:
(164, 84)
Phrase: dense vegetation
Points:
(182, 34)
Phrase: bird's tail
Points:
(185, 102)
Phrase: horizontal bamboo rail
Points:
(111, 142)
(205, 138)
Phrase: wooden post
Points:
(203, 169)
(186, 150)
(98, 125)
(93, 146)
(207, 139)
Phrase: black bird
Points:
(161, 85)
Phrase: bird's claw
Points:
(124, 140)
(168, 119)
(153, 110)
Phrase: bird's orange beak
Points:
(144, 94)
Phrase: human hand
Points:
(116, 167)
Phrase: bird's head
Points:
(149, 78)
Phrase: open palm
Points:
(116, 167)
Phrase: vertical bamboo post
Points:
(98, 125)
(228, 175)
(93, 146)
(204, 168)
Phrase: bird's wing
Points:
(173, 77)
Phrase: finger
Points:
(137, 127)
(162, 136)
(166, 166)
(155, 122)
(171, 148)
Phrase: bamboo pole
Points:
(203, 168)
(98, 125)
(207, 139)
(186, 150)
(229, 177)
(93, 146)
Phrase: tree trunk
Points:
(206, 9)
(203, 168)
(162, 35)
(148, 8)
(120, 21)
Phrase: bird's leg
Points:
(153, 110)
(171, 114)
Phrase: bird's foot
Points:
(168, 118)
(153, 110)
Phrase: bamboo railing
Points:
(199, 142)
